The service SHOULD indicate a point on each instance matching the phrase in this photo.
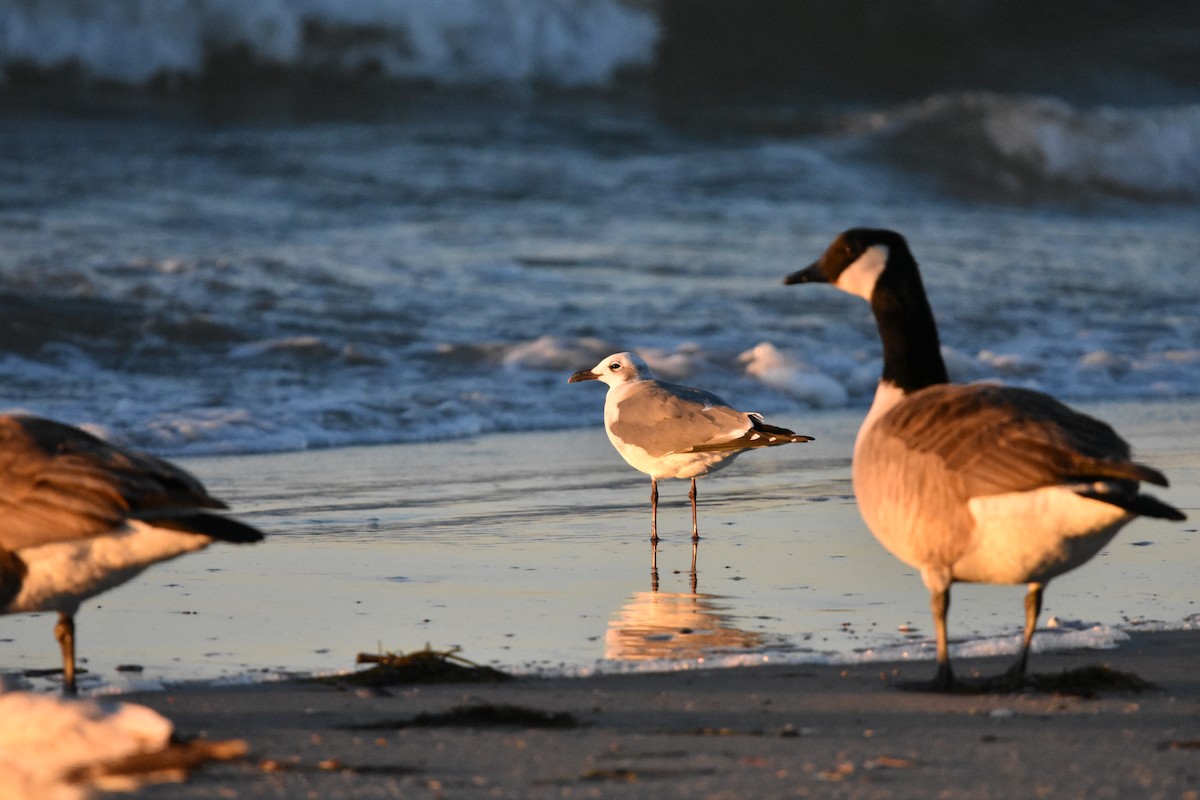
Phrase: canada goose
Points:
(79, 516)
(672, 431)
(977, 483)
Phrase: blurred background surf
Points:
(240, 227)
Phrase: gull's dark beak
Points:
(810, 274)
(583, 375)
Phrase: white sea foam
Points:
(1154, 152)
(1073, 635)
(556, 353)
(1036, 145)
(790, 375)
(453, 42)
(302, 346)
(251, 288)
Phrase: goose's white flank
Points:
(79, 516)
(671, 431)
(976, 483)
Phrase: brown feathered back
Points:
(58, 483)
(1006, 439)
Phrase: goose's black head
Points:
(876, 265)
(855, 260)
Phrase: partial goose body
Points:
(60, 576)
(670, 431)
(978, 483)
(79, 517)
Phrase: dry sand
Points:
(772, 731)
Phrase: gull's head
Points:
(615, 370)
(855, 261)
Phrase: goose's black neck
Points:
(912, 355)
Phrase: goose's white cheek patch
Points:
(860, 277)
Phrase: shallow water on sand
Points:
(530, 551)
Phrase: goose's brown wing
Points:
(997, 439)
(58, 482)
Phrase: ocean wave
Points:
(236, 288)
(295, 394)
(699, 53)
(570, 43)
(1033, 147)
(793, 377)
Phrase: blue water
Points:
(193, 287)
(230, 229)
(242, 228)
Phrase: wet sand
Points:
(529, 550)
(773, 731)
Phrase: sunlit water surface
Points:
(530, 552)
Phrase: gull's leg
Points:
(653, 533)
(653, 510)
(692, 497)
(695, 533)
(64, 631)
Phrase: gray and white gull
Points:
(670, 431)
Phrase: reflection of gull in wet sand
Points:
(58, 749)
(664, 625)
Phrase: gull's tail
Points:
(760, 435)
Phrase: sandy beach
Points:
(339, 260)
(786, 731)
(529, 552)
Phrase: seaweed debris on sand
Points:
(421, 666)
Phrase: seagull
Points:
(979, 483)
(79, 516)
(671, 431)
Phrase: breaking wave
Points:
(461, 42)
(1034, 146)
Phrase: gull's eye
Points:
(615, 366)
